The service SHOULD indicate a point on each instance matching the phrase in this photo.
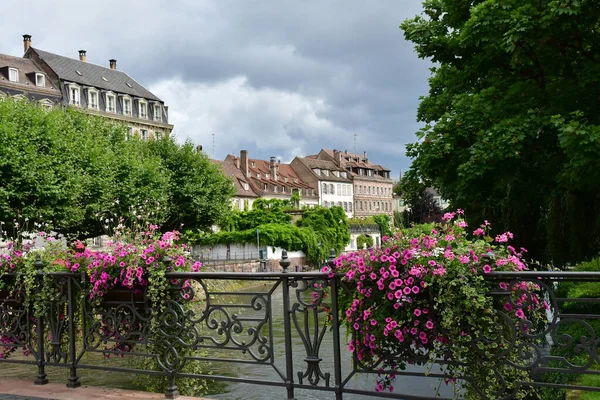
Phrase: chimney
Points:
(26, 42)
(113, 63)
(244, 161)
(273, 168)
(82, 55)
(237, 162)
(337, 156)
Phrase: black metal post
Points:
(42, 378)
(287, 328)
(337, 360)
(73, 380)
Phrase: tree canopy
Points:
(512, 124)
(68, 167)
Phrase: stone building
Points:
(52, 79)
(372, 185)
(268, 179)
(333, 183)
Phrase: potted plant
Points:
(423, 297)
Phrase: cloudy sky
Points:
(276, 77)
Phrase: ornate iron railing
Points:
(286, 328)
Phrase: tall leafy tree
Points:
(199, 194)
(512, 123)
(71, 168)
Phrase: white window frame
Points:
(144, 134)
(40, 78)
(14, 71)
(157, 115)
(129, 133)
(111, 95)
(125, 100)
(74, 88)
(145, 104)
(90, 106)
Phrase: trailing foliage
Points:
(364, 241)
(512, 117)
(320, 230)
(68, 167)
(264, 211)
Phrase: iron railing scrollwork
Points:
(245, 327)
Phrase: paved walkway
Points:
(12, 389)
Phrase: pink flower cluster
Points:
(392, 309)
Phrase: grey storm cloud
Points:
(276, 77)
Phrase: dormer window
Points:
(127, 106)
(13, 75)
(317, 171)
(245, 185)
(344, 174)
(326, 172)
(92, 99)
(336, 173)
(111, 103)
(74, 95)
(143, 111)
(157, 112)
(268, 176)
(285, 179)
(252, 164)
(40, 80)
(265, 187)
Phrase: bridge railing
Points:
(285, 332)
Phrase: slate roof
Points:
(91, 75)
(26, 67)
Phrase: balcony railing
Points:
(278, 334)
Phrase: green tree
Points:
(73, 169)
(199, 195)
(512, 122)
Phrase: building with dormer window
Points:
(372, 184)
(97, 90)
(267, 179)
(333, 183)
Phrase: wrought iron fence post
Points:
(172, 392)
(337, 361)
(287, 327)
(73, 380)
(42, 378)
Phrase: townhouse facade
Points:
(267, 179)
(55, 80)
(372, 184)
(334, 185)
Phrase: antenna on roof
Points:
(355, 143)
